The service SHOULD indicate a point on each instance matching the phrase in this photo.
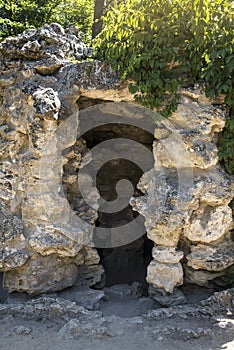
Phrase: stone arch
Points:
(191, 229)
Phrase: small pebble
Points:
(21, 330)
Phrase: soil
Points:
(134, 326)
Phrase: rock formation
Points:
(186, 197)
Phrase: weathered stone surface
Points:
(187, 194)
(75, 328)
(211, 258)
(163, 224)
(47, 241)
(195, 150)
(46, 227)
(31, 156)
(13, 245)
(167, 299)
(164, 276)
(91, 256)
(195, 112)
(47, 102)
(48, 42)
(189, 142)
(166, 255)
(201, 277)
(86, 297)
(213, 187)
(50, 308)
(91, 275)
(35, 276)
(208, 224)
(11, 227)
(162, 235)
(12, 258)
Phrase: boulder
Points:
(166, 255)
(164, 276)
(211, 258)
(167, 299)
(41, 275)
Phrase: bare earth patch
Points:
(52, 322)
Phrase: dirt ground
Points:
(125, 323)
(45, 337)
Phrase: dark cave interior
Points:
(127, 263)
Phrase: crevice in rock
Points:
(3, 292)
(127, 263)
(85, 102)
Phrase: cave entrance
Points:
(126, 263)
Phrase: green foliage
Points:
(18, 15)
(162, 45)
(78, 13)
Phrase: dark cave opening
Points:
(3, 292)
(127, 263)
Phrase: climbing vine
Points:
(163, 45)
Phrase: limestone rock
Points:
(86, 297)
(47, 102)
(208, 224)
(162, 235)
(31, 182)
(164, 277)
(46, 228)
(213, 187)
(189, 142)
(187, 195)
(166, 255)
(91, 256)
(13, 245)
(44, 43)
(50, 308)
(193, 113)
(87, 75)
(74, 329)
(201, 277)
(11, 227)
(211, 258)
(195, 150)
(167, 299)
(91, 275)
(162, 208)
(47, 241)
(41, 275)
(11, 258)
